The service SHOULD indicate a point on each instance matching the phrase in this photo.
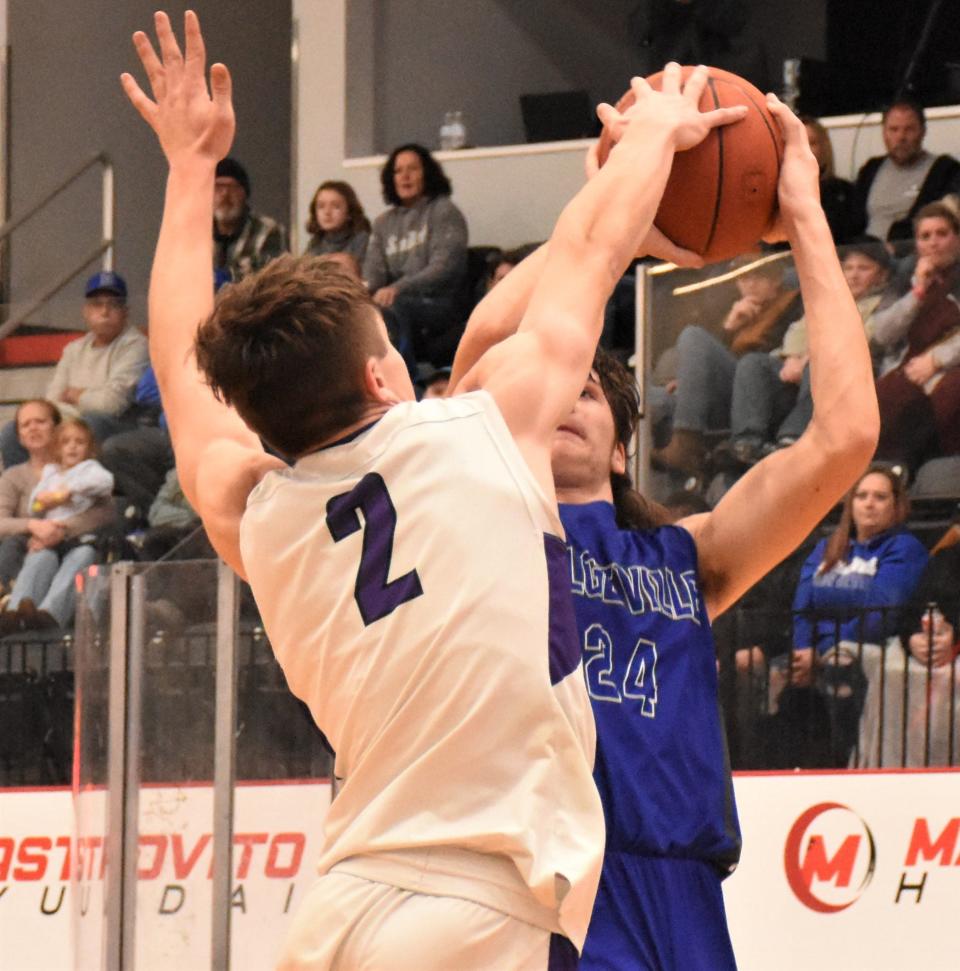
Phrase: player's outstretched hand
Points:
(191, 122)
(799, 185)
(656, 244)
(676, 106)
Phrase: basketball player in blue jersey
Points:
(408, 567)
(645, 592)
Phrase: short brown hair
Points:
(286, 347)
(620, 389)
(938, 210)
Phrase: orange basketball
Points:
(721, 195)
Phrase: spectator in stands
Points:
(772, 404)
(506, 261)
(71, 486)
(434, 382)
(891, 189)
(36, 423)
(337, 222)
(96, 374)
(920, 397)
(243, 240)
(836, 195)
(927, 653)
(416, 260)
(849, 592)
(706, 363)
(713, 32)
(140, 459)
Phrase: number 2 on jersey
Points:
(376, 596)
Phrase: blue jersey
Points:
(650, 664)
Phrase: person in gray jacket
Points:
(95, 376)
(416, 259)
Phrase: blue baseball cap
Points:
(108, 282)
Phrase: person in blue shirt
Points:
(646, 592)
(849, 594)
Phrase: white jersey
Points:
(414, 587)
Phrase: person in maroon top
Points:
(920, 397)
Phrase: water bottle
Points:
(791, 82)
(458, 131)
(447, 133)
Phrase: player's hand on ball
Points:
(799, 185)
(189, 121)
(656, 244)
(676, 107)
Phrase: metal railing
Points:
(104, 248)
(865, 702)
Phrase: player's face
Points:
(330, 210)
(874, 506)
(937, 241)
(902, 135)
(408, 177)
(105, 315)
(73, 445)
(862, 274)
(585, 449)
(35, 428)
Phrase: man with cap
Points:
(96, 374)
(244, 241)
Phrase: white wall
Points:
(510, 195)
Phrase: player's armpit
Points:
(227, 473)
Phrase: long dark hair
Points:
(356, 218)
(435, 181)
(620, 389)
(838, 545)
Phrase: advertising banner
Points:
(847, 871)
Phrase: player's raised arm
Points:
(218, 458)
(778, 502)
(537, 374)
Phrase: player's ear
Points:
(618, 461)
(375, 382)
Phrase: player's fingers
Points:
(791, 126)
(639, 87)
(592, 161)
(672, 78)
(697, 81)
(137, 98)
(169, 48)
(221, 86)
(195, 52)
(608, 115)
(663, 248)
(724, 116)
(151, 63)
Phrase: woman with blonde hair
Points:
(835, 194)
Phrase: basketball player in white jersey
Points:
(408, 568)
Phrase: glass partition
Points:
(159, 812)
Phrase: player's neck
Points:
(373, 412)
(578, 493)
